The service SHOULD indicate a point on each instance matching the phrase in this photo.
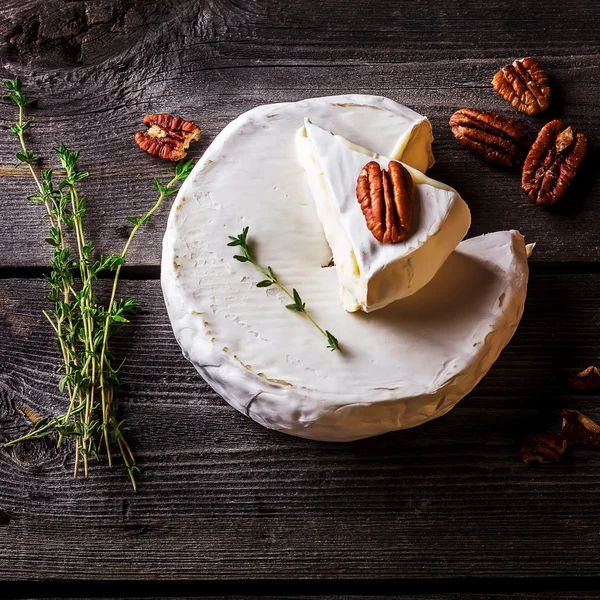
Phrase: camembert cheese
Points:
(399, 366)
(372, 274)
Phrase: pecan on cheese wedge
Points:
(387, 201)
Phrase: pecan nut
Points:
(168, 137)
(497, 139)
(387, 201)
(588, 379)
(543, 447)
(525, 85)
(552, 163)
(579, 428)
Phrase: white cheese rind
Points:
(400, 366)
(372, 274)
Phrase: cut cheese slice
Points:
(400, 366)
(372, 274)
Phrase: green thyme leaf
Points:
(162, 189)
(183, 169)
(62, 382)
(333, 343)
(25, 156)
(298, 300)
(295, 307)
(14, 85)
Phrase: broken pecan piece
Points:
(386, 199)
(588, 379)
(543, 447)
(525, 85)
(167, 137)
(579, 428)
(552, 163)
(497, 139)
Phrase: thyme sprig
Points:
(182, 170)
(297, 304)
(82, 326)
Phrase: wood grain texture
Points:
(265, 589)
(97, 69)
(223, 498)
(404, 594)
(407, 595)
(458, 596)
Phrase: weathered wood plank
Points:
(416, 590)
(212, 60)
(222, 497)
(407, 595)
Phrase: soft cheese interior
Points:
(372, 274)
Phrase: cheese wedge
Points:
(372, 274)
(400, 366)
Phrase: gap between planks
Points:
(150, 272)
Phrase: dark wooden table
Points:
(447, 506)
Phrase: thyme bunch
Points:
(83, 327)
(297, 304)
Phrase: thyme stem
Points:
(104, 395)
(29, 165)
(83, 328)
(271, 279)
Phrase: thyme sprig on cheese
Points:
(83, 327)
(271, 279)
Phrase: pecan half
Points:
(579, 428)
(543, 447)
(588, 379)
(167, 137)
(552, 163)
(498, 140)
(387, 201)
(525, 85)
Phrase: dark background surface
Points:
(444, 507)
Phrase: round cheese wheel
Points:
(400, 366)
